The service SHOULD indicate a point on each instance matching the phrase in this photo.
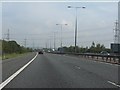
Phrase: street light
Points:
(76, 24)
(61, 32)
(54, 40)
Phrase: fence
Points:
(105, 58)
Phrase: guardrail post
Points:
(110, 59)
(88, 56)
(118, 59)
(102, 58)
(106, 58)
(114, 59)
(97, 57)
(92, 56)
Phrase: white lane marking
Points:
(113, 83)
(3, 84)
(77, 67)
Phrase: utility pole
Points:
(54, 41)
(33, 45)
(50, 45)
(46, 45)
(61, 25)
(119, 22)
(8, 35)
(25, 41)
(117, 32)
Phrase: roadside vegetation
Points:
(94, 48)
(0, 49)
(11, 49)
(1, 45)
(12, 55)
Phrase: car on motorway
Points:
(104, 53)
(40, 52)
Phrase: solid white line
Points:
(3, 84)
(113, 83)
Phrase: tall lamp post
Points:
(54, 41)
(61, 33)
(76, 24)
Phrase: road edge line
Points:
(114, 84)
(3, 84)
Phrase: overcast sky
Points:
(36, 22)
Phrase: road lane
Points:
(55, 71)
(10, 66)
(108, 71)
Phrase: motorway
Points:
(60, 71)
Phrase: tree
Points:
(71, 49)
(13, 47)
(96, 48)
(92, 48)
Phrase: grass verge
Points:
(13, 55)
(0, 45)
(0, 57)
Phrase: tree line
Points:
(94, 48)
(0, 44)
(9, 47)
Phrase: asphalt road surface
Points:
(10, 66)
(60, 71)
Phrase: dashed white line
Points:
(114, 84)
(3, 84)
(77, 67)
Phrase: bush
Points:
(13, 47)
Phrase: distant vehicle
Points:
(104, 53)
(48, 50)
(40, 52)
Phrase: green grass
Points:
(0, 45)
(13, 55)
(0, 57)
